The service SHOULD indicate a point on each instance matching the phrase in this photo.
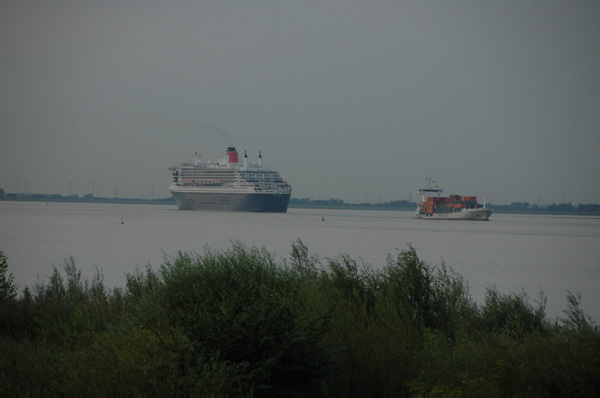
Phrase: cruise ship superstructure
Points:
(228, 185)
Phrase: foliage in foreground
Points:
(241, 322)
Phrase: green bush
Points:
(513, 314)
(8, 289)
(237, 312)
(242, 322)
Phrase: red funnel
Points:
(233, 155)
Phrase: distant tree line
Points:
(515, 207)
(240, 322)
(560, 208)
(42, 197)
(339, 203)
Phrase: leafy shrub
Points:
(512, 313)
(8, 289)
(241, 322)
(237, 312)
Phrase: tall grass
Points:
(241, 321)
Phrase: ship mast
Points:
(431, 189)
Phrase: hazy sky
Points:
(346, 99)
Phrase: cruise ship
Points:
(228, 185)
(433, 206)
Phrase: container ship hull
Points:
(229, 185)
(262, 203)
(433, 206)
(461, 214)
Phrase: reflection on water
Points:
(514, 252)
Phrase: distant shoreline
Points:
(83, 199)
(296, 203)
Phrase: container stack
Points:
(452, 201)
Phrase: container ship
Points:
(433, 206)
(228, 185)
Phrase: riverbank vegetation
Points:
(242, 322)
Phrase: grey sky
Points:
(347, 99)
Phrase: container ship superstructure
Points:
(228, 185)
(433, 206)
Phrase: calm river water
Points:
(514, 252)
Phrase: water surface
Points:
(514, 252)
